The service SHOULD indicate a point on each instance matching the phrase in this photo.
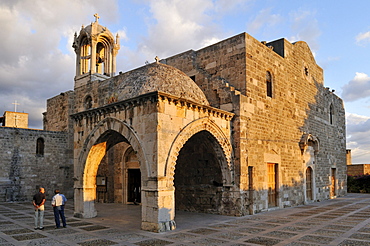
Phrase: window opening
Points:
(331, 114)
(88, 102)
(268, 84)
(40, 147)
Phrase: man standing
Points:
(38, 203)
(58, 203)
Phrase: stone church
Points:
(235, 128)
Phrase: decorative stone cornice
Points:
(152, 97)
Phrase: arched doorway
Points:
(309, 184)
(198, 178)
(118, 172)
(132, 178)
(103, 158)
(118, 179)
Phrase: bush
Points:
(358, 184)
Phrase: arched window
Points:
(40, 145)
(88, 102)
(331, 114)
(268, 84)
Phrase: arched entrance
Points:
(118, 179)
(198, 178)
(108, 149)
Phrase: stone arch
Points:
(40, 146)
(91, 154)
(121, 127)
(304, 142)
(203, 124)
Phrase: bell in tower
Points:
(96, 50)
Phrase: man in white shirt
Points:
(58, 203)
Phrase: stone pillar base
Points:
(158, 227)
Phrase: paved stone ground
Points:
(341, 221)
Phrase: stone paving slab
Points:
(342, 221)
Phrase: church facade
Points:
(235, 128)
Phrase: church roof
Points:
(159, 77)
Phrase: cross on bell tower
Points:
(97, 17)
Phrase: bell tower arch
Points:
(96, 49)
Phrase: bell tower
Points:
(96, 50)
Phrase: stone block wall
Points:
(358, 169)
(15, 119)
(268, 129)
(59, 108)
(23, 171)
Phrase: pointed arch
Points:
(203, 124)
(120, 127)
(306, 138)
(92, 152)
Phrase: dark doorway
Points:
(309, 189)
(134, 186)
(198, 178)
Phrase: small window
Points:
(306, 71)
(268, 84)
(88, 102)
(331, 114)
(40, 144)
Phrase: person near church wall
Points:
(38, 204)
(58, 202)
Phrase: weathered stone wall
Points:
(16, 119)
(58, 110)
(268, 129)
(298, 126)
(22, 171)
(358, 169)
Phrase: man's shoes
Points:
(64, 226)
(41, 228)
(36, 228)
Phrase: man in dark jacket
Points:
(38, 203)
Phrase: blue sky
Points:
(38, 61)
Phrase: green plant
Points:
(358, 183)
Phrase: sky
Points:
(38, 61)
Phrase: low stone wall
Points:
(23, 170)
(358, 169)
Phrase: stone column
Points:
(158, 208)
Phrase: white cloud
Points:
(227, 6)
(357, 88)
(264, 20)
(358, 130)
(305, 27)
(34, 65)
(363, 38)
(177, 27)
